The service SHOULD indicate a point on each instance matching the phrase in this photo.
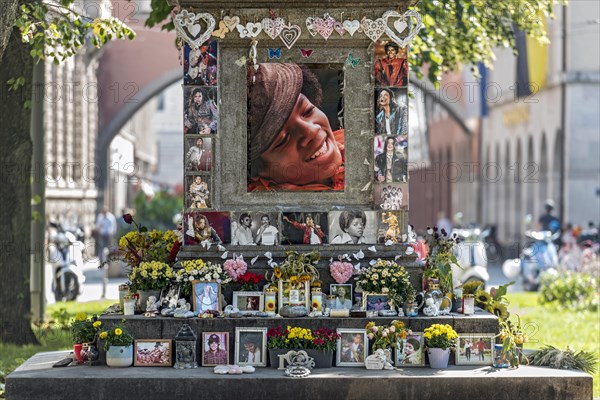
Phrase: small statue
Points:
(152, 305)
(183, 309)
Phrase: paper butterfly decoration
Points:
(352, 61)
(220, 33)
(306, 52)
(274, 53)
(240, 62)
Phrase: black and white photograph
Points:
(474, 349)
(254, 228)
(391, 112)
(198, 154)
(391, 159)
(251, 346)
(391, 196)
(410, 352)
(197, 193)
(343, 295)
(200, 111)
(169, 296)
(304, 228)
(353, 227)
(351, 348)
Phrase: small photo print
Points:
(248, 302)
(391, 159)
(410, 351)
(377, 302)
(197, 194)
(392, 227)
(351, 348)
(153, 353)
(304, 228)
(391, 64)
(215, 348)
(200, 112)
(474, 349)
(207, 296)
(200, 65)
(343, 295)
(391, 196)
(251, 346)
(254, 228)
(206, 228)
(391, 112)
(353, 227)
(198, 154)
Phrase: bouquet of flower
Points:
(495, 301)
(249, 281)
(84, 329)
(235, 267)
(385, 277)
(297, 267)
(325, 339)
(140, 245)
(150, 275)
(439, 260)
(439, 336)
(290, 338)
(118, 336)
(341, 271)
(197, 269)
(384, 336)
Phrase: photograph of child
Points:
(353, 227)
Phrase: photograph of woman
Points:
(391, 112)
(391, 164)
(200, 112)
(352, 227)
(291, 143)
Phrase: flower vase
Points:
(438, 358)
(77, 347)
(119, 356)
(323, 358)
(144, 295)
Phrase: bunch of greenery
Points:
(550, 356)
(512, 337)
(296, 267)
(441, 258)
(84, 329)
(571, 290)
(472, 287)
(388, 277)
(439, 336)
(386, 336)
(118, 336)
(495, 301)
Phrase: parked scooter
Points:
(65, 255)
(538, 256)
(471, 256)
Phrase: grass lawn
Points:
(559, 328)
(52, 337)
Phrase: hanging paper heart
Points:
(273, 26)
(220, 33)
(351, 26)
(410, 19)
(289, 35)
(324, 26)
(339, 28)
(310, 26)
(373, 29)
(231, 22)
(251, 30)
(188, 27)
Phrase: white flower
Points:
(215, 275)
(191, 278)
(219, 270)
(194, 271)
(392, 328)
(207, 277)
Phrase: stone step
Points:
(36, 379)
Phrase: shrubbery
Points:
(573, 290)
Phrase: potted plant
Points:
(386, 336)
(118, 344)
(385, 277)
(198, 270)
(149, 279)
(439, 339)
(441, 258)
(319, 345)
(83, 334)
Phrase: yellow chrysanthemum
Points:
(103, 335)
(118, 332)
(97, 324)
(80, 316)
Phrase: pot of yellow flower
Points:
(439, 339)
(118, 344)
(149, 278)
(83, 334)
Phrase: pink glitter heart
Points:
(339, 28)
(324, 27)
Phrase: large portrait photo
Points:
(200, 113)
(353, 227)
(295, 127)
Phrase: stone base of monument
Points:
(36, 379)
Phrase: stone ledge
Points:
(36, 379)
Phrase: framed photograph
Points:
(343, 295)
(251, 346)
(391, 159)
(474, 349)
(391, 196)
(391, 112)
(304, 228)
(206, 296)
(254, 228)
(200, 65)
(376, 302)
(294, 293)
(198, 154)
(200, 113)
(410, 351)
(351, 348)
(353, 227)
(197, 192)
(153, 353)
(170, 295)
(391, 65)
(249, 302)
(206, 227)
(215, 348)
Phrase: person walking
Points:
(106, 228)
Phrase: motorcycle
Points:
(538, 256)
(65, 256)
(471, 256)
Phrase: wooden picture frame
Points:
(302, 297)
(251, 340)
(249, 302)
(153, 353)
(410, 352)
(217, 357)
(473, 352)
(346, 356)
(210, 303)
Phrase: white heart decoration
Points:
(251, 30)
(272, 26)
(289, 35)
(405, 20)
(351, 26)
(310, 26)
(188, 27)
(231, 22)
(373, 28)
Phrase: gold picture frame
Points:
(293, 293)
